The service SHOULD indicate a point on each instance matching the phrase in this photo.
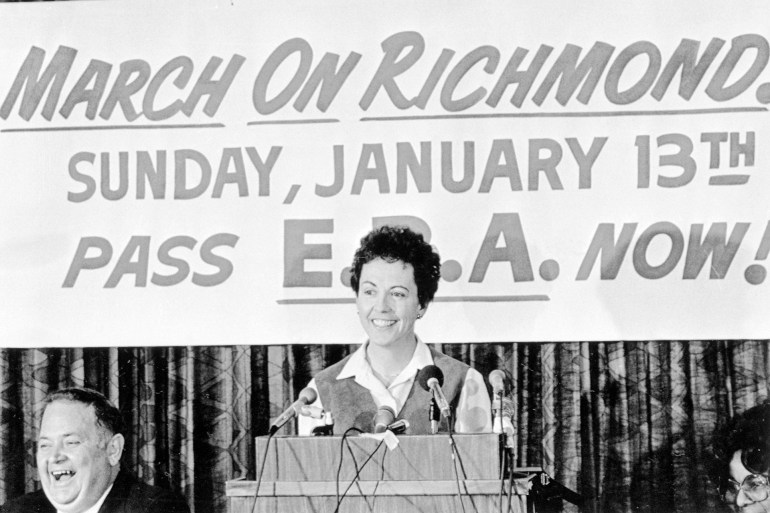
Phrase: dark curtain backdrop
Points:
(623, 423)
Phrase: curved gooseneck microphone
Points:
(307, 396)
(431, 378)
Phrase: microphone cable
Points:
(382, 477)
(339, 464)
(355, 479)
(511, 477)
(261, 471)
(501, 449)
(510, 490)
(455, 459)
(355, 464)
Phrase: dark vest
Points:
(351, 405)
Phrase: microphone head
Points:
(308, 395)
(399, 426)
(497, 380)
(428, 372)
(384, 417)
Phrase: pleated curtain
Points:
(625, 424)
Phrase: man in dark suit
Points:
(78, 460)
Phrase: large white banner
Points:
(189, 172)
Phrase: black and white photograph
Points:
(371, 257)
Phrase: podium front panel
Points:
(417, 458)
(419, 475)
(479, 496)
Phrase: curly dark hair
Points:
(394, 243)
(107, 415)
(748, 432)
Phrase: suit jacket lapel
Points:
(116, 499)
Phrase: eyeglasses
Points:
(755, 487)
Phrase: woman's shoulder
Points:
(442, 360)
(332, 371)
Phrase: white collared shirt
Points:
(473, 397)
(95, 508)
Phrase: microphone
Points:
(431, 378)
(307, 396)
(384, 417)
(503, 408)
(399, 426)
(497, 380)
(435, 416)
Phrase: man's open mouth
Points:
(58, 474)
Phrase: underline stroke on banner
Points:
(455, 299)
(598, 114)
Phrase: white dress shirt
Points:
(473, 396)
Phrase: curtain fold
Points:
(625, 424)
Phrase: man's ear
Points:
(115, 449)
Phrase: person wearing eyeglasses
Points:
(741, 450)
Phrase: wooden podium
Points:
(300, 475)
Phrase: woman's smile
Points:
(388, 303)
(383, 323)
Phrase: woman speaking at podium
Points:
(395, 276)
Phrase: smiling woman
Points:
(395, 276)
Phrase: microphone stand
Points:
(499, 400)
(497, 423)
(434, 414)
(262, 470)
(456, 460)
(511, 446)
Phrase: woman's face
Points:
(387, 302)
